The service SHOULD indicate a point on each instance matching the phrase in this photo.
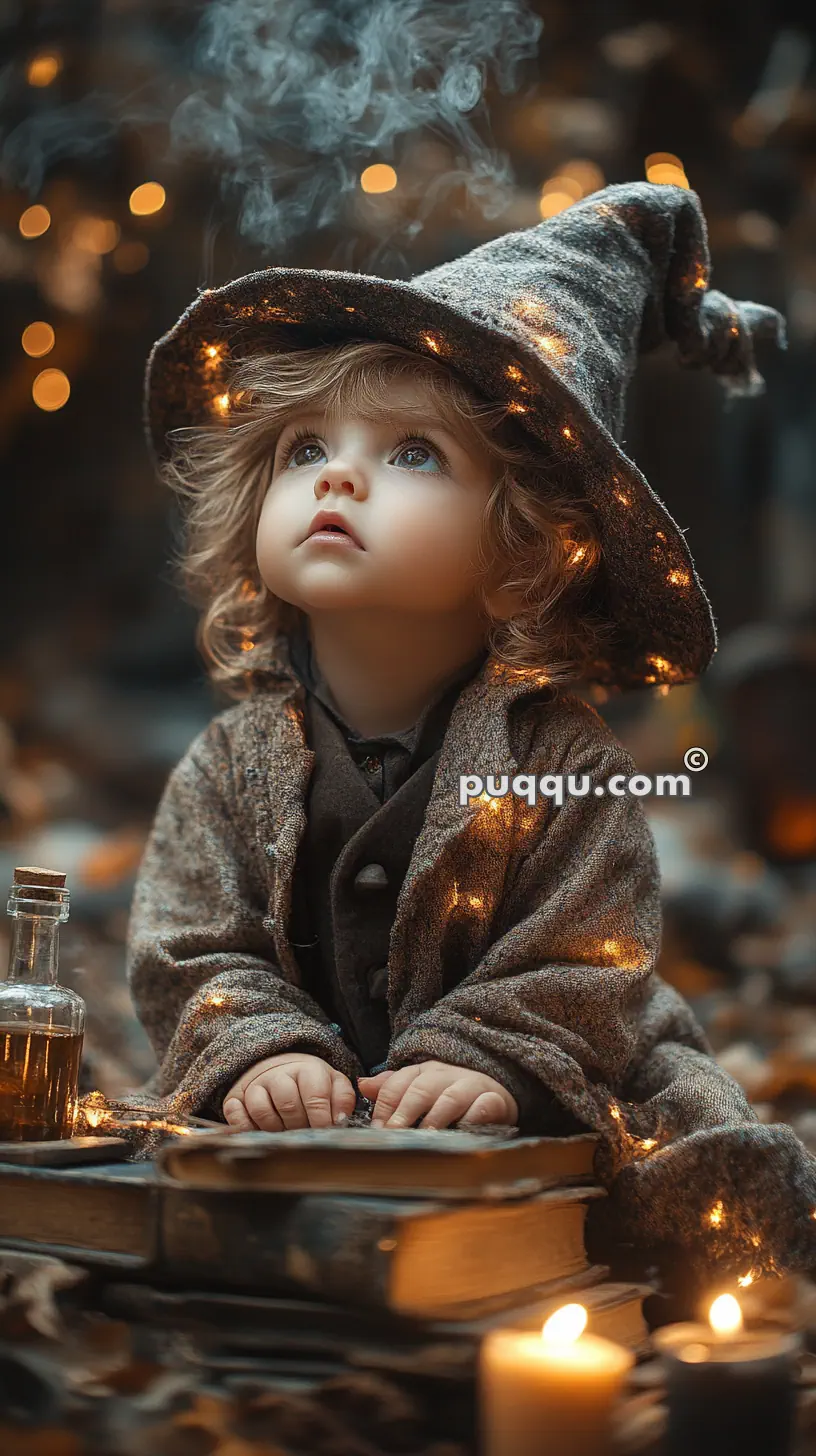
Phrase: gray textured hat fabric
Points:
(549, 320)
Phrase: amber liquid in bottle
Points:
(38, 1079)
(41, 1022)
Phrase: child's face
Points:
(415, 507)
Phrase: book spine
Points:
(337, 1248)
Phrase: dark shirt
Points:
(385, 763)
(387, 759)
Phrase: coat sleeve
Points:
(558, 1002)
(200, 963)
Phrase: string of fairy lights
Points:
(97, 237)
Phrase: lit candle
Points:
(728, 1389)
(553, 1392)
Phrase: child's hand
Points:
(294, 1089)
(444, 1093)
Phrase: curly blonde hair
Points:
(536, 540)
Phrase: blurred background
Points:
(150, 150)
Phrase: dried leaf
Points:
(29, 1282)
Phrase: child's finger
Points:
(287, 1101)
(451, 1105)
(314, 1082)
(259, 1105)
(390, 1095)
(415, 1100)
(488, 1107)
(370, 1086)
(343, 1097)
(236, 1115)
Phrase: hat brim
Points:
(648, 585)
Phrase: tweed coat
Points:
(523, 945)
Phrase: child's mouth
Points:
(335, 535)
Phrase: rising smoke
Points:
(291, 99)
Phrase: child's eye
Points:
(295, 448)
(414, 443)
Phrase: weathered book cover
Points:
(107, 1214)
(448, 1163)
(404, 1254)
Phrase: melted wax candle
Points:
(553, 1392)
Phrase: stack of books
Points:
(354, 1264)
(429, 1238)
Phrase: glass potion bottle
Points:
(42, 1024)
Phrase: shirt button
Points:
(371, 877)
(371, 763)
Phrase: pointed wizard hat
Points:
(550, 321)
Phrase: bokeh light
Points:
(96, 234)
(43, 68)
(35, 221)
(147, 198)
(658, 159)
(552, 202)
(378, 178)
(562, 183)
(38, 339)
(665, 167)
(587, 174)
(51, 389)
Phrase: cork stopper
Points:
(47, 883)
(35, 875)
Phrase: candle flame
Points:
(565, 1326)
(725, 1315)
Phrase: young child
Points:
(320, 911)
